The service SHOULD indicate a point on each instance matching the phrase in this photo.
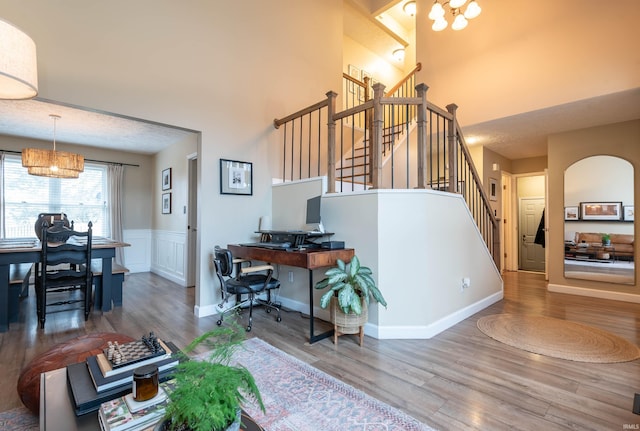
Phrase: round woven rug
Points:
(558, 338)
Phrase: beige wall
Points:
(221, 68)
(621, 140)
(522, 56)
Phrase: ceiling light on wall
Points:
(398, 54)
(18, 65)
(460, 17)
(52, 163)
(409, 8)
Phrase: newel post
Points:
(421, 90)
(331, 141)
(453, 149)
(376, 136)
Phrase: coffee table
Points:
(57, 412)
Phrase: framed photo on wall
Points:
(572, 213)
(601, 210)
(166, 203)
(236, 177)
(166, 179)
(493, 189)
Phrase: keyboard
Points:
(273, 245)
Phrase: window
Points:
(25, 196)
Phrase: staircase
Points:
(389, 141)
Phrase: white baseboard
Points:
(594, 293)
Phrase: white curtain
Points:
(2, 195)
(116, 174)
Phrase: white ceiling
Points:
(81, 126)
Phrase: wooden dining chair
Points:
(64, 278)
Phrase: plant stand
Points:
(344, 324)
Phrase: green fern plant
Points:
(208, 393)
(349, 284)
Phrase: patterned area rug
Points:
(558, 338)
(297, 397)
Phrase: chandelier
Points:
(18, 65)
(52, 163)
(460, 16)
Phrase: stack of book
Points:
(98, 379)
(126, 414)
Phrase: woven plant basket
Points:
(348, 323)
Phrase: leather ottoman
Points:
(59, 356)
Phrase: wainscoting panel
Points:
(137, 257)
(169, 256)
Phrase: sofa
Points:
(621, 244)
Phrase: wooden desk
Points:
(28, 250)
(310, 259)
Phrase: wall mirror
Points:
(599, 221)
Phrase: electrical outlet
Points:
(290, 276)
(466, 283)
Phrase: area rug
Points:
(558, 338)
(299, 397)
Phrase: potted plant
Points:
(208, 394)
(606, 239)
(350, 289)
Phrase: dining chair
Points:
(63, 277)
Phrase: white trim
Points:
(594, 293)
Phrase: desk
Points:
(310, 259)
(28, 250)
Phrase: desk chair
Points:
(248, 280)
(64, 272)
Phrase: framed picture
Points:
(601, 210)
(627, 213)
(166, 203)
(572, 213)
(166, 179)
(493, 189)
(236, 178)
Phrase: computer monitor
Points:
(314, 222)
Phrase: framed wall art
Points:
(493, 189)
(601, 210)
(236, 177)
(572, 213)
(166, 203)
(166, 179)
(627, 213)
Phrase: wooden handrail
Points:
(405, 79)
(279, 122)
(354, 80)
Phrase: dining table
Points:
(28, 250)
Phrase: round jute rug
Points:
(558, 338)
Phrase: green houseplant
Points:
(606, 239)
(208, 393)
(350, 289)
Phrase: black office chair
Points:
(64, 273)
(248, 280)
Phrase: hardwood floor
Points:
(458, 380)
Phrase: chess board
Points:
(134, 352)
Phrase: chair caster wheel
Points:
(268, 310)
(278, 319)
(249, 328)
(219, 322)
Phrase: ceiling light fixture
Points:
(52, 163)
(398, 54)
(460, 17)
(409, 8)
(18, 65)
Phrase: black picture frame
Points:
(166, 179)
(166, 203)
(236, 177)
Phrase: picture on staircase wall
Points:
(236, 177)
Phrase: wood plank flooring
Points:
(458, 380)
